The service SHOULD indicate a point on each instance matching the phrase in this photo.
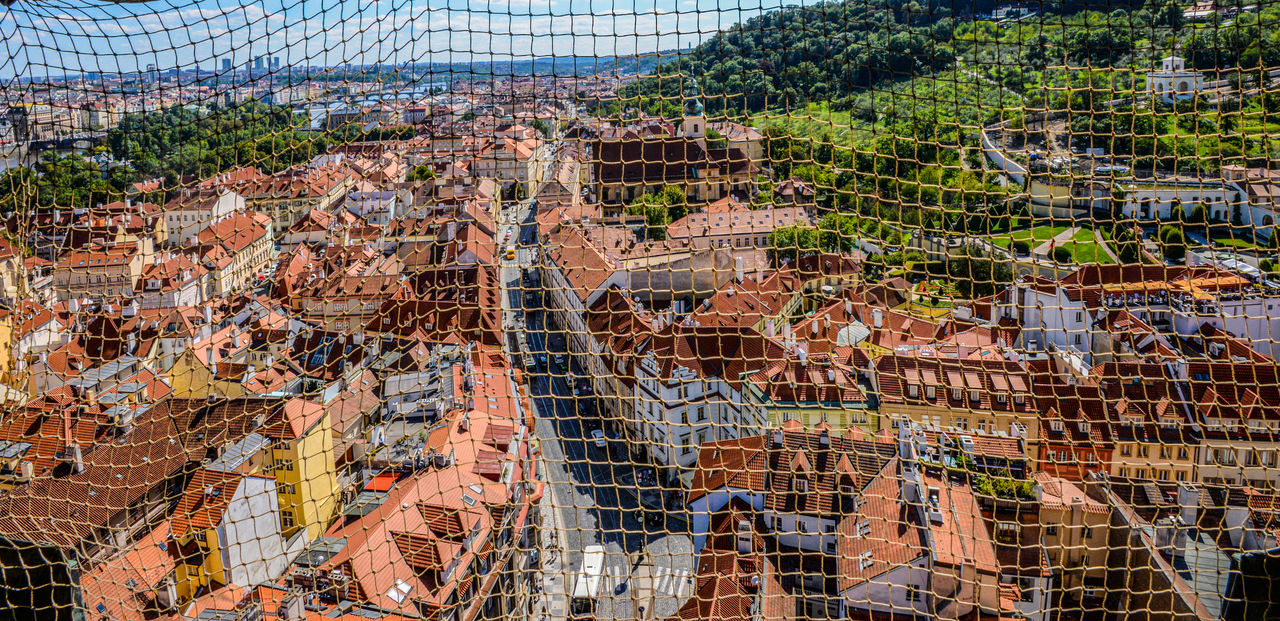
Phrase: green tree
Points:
(1173, 243)
(422, 172)
(1128, 248)
(715, 140)
(542, 127)
(976, 274)
(792, 242)
(838, 232)
(657, 217)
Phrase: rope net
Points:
(682, 309)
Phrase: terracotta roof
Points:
(204, 500)
(738, 464)
(66, 511)
(753, 222)
(234, 233)
(746, 303)
(1235, 390)
(115, 255)
(125, 585)
(881, 534)
(961, 538)
(397, 553)
(29, 316)
(584, 267)
(292, 418)
(662, 160)
(743, 464)
(1061, 494)
(819, 380)
(985, 378)
(170, 273)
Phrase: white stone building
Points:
(1174, 82)
(187, 215)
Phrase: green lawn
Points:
(1226, 239)
(816, 119)
(1036, 236)
(1084, 234)
(1088, 252)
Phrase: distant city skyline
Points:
(130, 37)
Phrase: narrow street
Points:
(648, 573)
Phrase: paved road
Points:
(587, 501)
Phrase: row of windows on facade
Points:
(957, 394)
(982, 425)
(286, 522)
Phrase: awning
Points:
(999, 382)
(381, 482)
(930, 378)
(972, 380)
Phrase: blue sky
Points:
(43, 37)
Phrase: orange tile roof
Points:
(204, 500)
(125, 584)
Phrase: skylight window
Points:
(400, 591)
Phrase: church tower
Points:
(694, 124)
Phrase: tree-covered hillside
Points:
(834, 52)
(823, 51)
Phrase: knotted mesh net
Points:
(669, 309)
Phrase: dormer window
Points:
(975, 396)
(1083, 426)
(934, 494)
(930, 392)
(956, 394)
(913, 391)
(1056, 426)
(800, 484)
(863, 529)
(1001, 398)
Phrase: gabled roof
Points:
(66, 511)
(817, 380)
(204, 501)
(984, 377)
(881, 534)
(584, 267)
(125, 584)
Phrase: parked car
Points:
(597, 436)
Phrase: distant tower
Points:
(275, 62)
(226, 65)
(694, 124)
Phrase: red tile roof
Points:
(204, 500)
(584, 266)
(881, 534)
(234, 233)
(985, 377)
